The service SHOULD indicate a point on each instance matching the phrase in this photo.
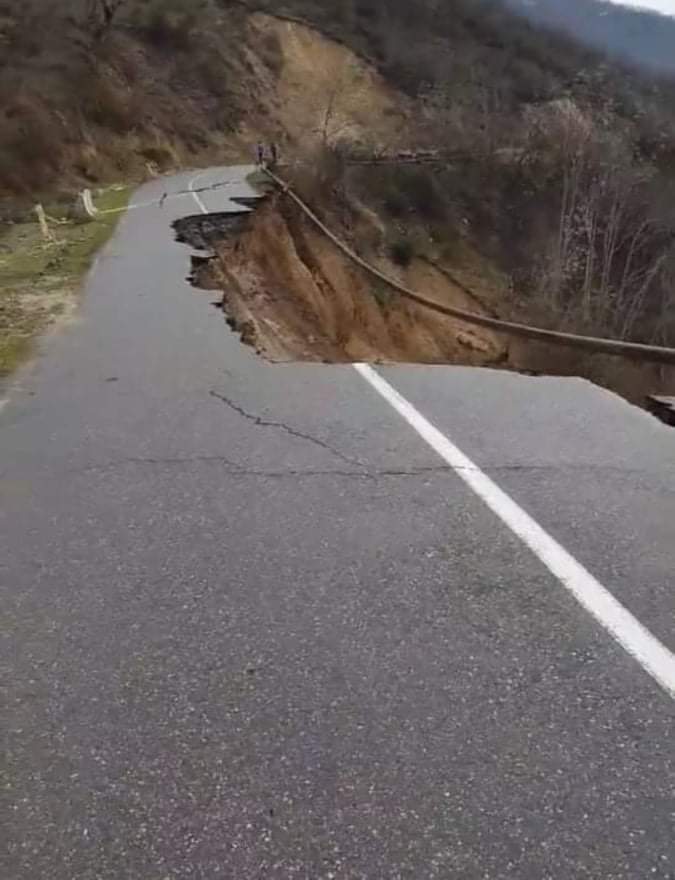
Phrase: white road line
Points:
(195, 196)
(167, 197)
(131, 207)
(654, 657)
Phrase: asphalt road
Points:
(257, 628)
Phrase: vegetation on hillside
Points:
(38, 279)
(559, 165)
(629, 32)
(91, 89)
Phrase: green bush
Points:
(402, 251)
(394, 201)
(404, 190)
(170, 24)
(383, 293)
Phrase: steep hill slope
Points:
(634, 34)
(553, 169)
(80, 101)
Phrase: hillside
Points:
(96, 90)
(555, 170)
(91, 89)
(561, 167)
(637, 35)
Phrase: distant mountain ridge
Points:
(637, 35)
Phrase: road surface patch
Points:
(653, 656)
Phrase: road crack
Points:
(281, 426)
(233, 469)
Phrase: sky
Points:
(666, 6)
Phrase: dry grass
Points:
(73, 113)
(39, 281)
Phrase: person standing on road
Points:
(274, 153)
(260, 154)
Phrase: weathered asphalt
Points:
(255, 629)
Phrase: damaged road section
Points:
(210, 234)
(205, 231)
(292, 297)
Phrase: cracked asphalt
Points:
(256, 629)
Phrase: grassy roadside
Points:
(39, 281)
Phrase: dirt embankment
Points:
(318, 90)
(294, 296)
(285, 285)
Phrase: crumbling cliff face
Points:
(292, 295)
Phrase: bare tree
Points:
(100, 15)
(334, 115)
(608, 254)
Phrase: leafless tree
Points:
(334, 114)
(100, 15)
(610, 249)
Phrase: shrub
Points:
(271, 53)
(383, 293)
(169, 24)
(108, 105)
(406, 190)
(161, 155)
(212, 72)
(31, 143)
(402, 251)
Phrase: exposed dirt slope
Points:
(293, 296)
(320, 90)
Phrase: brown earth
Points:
(293, 295)
(319, 90)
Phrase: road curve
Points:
(258, 628)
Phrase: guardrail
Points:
(593, 344)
